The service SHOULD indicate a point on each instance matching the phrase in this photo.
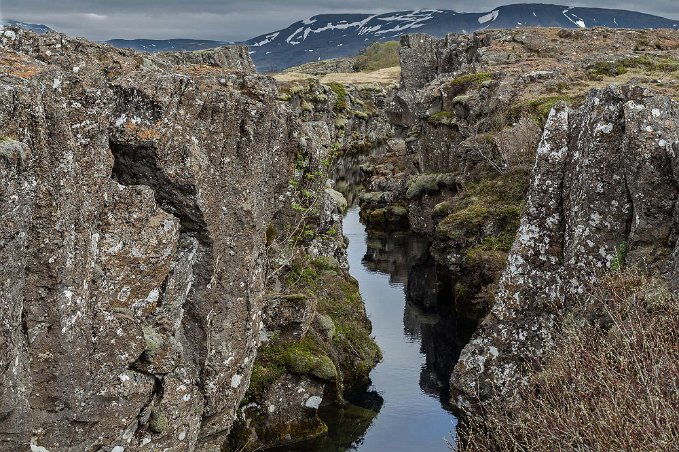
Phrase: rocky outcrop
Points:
(424, 57)
(316, 337)
(232, 58)
(135, 197)
(471, 111)
(603, 195)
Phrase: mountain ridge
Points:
(326, 36)
(336, 35)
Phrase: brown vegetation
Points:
(612, 383)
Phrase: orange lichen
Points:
(17, 65)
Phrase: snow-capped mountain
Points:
(337, 35)
(331, 36)
(38, 28)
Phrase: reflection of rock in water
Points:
(349, 424)
(394, 253)
(348, 175)
(430, 312)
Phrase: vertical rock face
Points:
(424, 57)
(135, 193)
(604, 190)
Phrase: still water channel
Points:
(407, 299)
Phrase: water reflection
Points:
(349, 176)
(409, 302)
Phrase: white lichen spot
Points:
(124, 377)
(118, 449)
(124, 293)
(605, 128)
(36, 448)
(655, 112)
(182, 436)
(235, 380)
(153, 296)
(122, 120)
(313, 402)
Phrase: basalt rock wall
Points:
(135, 193)
(603, 194)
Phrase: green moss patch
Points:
(442, 117)
(429, 184)
(339, 346)
(341, 101)
(646, 63)
(539, 108)
(488, 213)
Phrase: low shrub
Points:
(611, 382)
(379, 55)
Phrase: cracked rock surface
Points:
(606, 179)
(135, 192)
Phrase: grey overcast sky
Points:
(233, 20)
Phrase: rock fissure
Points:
(137, 165)
(138, 301)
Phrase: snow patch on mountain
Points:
(491, 16)
(267, 39)
(576, 20)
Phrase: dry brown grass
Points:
(388, 76)
(612, 384)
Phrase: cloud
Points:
(94, 16)
(234, 20)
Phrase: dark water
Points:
(410, 306)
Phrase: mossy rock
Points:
(372, 197)
(325, 325)
(468, 80)
(492, 203)
(153, 339)
(398, 210)
(339, 341)
(303, 361)
(360, 115)
(158, 421)
(377, 216)
(341, 101)
(429, 184)
(307, 106)
(443, 117)
(443, 209)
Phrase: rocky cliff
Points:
(136, 195)
(603, 195)
(471, 110)
(164, 216)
